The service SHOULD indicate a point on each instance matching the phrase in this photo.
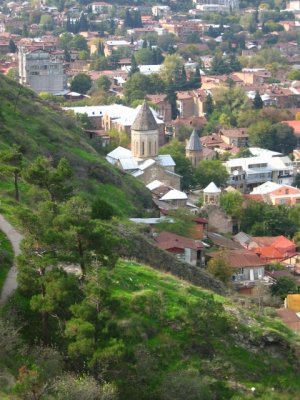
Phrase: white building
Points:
(217, 5)
(100, 7)
(160, 11)
(264, 166)
(41, 71)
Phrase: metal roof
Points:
(194, 143)
(144, 121)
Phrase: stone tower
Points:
(144, 134)
(194, 149)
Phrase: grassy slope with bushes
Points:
(41, 129)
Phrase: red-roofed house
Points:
(247, 267)
(272, 248)
(188, 250)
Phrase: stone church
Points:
(143, 160)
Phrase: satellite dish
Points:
(235, 172)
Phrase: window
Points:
(143, 148)
(149, 148)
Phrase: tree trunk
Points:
(17, 196)
(45, 327)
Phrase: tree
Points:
(134, 66)
(261, 134)
(283, 286)
(257, 101)
(209, 105)
(81, 83)
(12, 164)
(210, 171)
(56, 181)
(232, 203)
(171, 98)
(12, 46)
(166, 41)
(71, 387)
(171, 68)
(220, 268)
(103, 83)
(183, 164)
(294, 75)
(101, 210)
(284, 139)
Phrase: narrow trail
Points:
(15, 238)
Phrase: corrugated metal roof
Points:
(165, 160)
(174, 194)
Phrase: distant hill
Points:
(44, 129)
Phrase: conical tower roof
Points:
(144, 121)
(194, 143)
(211, 188)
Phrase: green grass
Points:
(6, 257)
(42, 129)
(154, 306)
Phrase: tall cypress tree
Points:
(134, 66)
(257, 101)
(209, 105)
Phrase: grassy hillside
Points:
(186, 328)
(43, 129)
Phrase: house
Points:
(163, 107)
(235, 137)
(247, 268)
(160, 11)
(265, 165)
(276, 194)
(188, 250)
(275, 248)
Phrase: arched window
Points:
(143, 148)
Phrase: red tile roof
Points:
(240, 258)
(167, 240)
(295, 125)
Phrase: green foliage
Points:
(101, 209)
(179, 222)
(103, 83)
(294, 75)
(81, 83)
(56, 181)
(257, 101)
(220, 268)
(261, 219)
(232, 203)
(277, 137)
(12, 164)
(283, 286)
(210, 171)
(138, 85)
(183, 164)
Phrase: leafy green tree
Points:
(210, 171)
(232, 203)
(166, 41)
(172, 97)
(294, 75)
(171, 68)
(144, 56)
(261, 134)
(138, 85)
(55, 180)
(101, 210)
(103, 83)
(12, 164)
(284, 141)
(220, 268)
(183, 164)
(81, 83)
(257, 101)
(283, 286)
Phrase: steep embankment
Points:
(43, 129)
